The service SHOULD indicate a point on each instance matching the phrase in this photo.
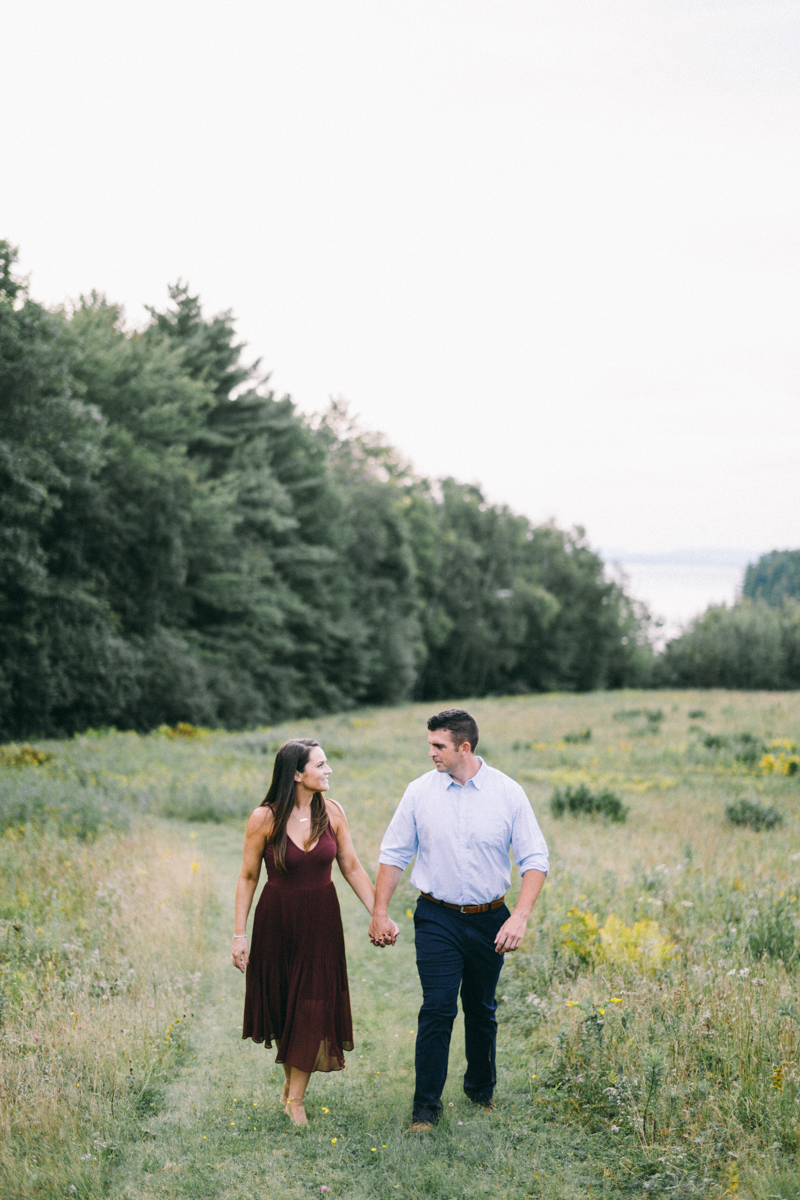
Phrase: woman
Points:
(296, 989)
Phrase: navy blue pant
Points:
(455, 950)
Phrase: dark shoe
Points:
(485, 1102)
(420, 1127)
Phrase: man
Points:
(460, 821)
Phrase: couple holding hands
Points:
(460, 820)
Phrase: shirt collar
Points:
(478, 779)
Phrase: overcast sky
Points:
(548, 246)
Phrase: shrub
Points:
(697, 714)
(615, 944)
(575, 739)
(753, 813)
(183, 730)
(23, 756)
(746, 747)
(581, 801)
(772, 931)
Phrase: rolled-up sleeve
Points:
(527, 839)
(400, 842)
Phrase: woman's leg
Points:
(298, 1082)
(287, 1071)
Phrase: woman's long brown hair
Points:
(292, 756)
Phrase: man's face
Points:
(443, 751)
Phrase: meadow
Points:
(649, 1025)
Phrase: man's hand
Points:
(383, 931)
(511, 934)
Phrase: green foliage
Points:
(772, 931)
(68, 807)
(575, 739)
(749, 645)
(745, 747)
(774, 578)
(582, 801)
(182, 545)
(753, 813)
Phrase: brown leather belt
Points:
(465, 908)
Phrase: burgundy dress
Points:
(296, 992)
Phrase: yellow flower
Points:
(409, 913)
(326, 1110)
(195, 866)
(602, 1012)
(615, 1000)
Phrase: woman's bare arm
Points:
(258, 828)
(348, 862)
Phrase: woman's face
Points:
(314, 775)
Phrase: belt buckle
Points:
(464, 908)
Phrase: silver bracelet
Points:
(244, 935)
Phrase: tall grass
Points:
(99, 946)
(649, 1025)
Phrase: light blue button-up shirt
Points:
(461, 835)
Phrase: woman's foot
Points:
(295, 1111)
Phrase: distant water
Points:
(680, 585)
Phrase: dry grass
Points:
(100, 942)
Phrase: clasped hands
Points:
(383, 931)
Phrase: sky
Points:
(552, 248)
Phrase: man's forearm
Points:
(385, 883)
(532, 884)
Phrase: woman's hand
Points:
(239, 954)
(383, 931)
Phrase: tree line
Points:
(752, 644)
(178, 543)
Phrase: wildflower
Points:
(409, 913)
(615, 1128)
(602, 1012)
(374, 1151)
(324, 1188)
(459, 1122)
(205, 1139)
(195, 866)
(571, 1003)
(615, 1000)
(327, 1110)
(333, 1141)
(533, 1076)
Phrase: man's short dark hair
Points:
(460, 724)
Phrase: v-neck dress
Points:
(296, 991)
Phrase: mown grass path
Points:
(221, 1133)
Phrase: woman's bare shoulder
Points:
(260, 820)
(334, 808)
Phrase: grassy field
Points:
(649, 1025)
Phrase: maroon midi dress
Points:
(296, 991)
